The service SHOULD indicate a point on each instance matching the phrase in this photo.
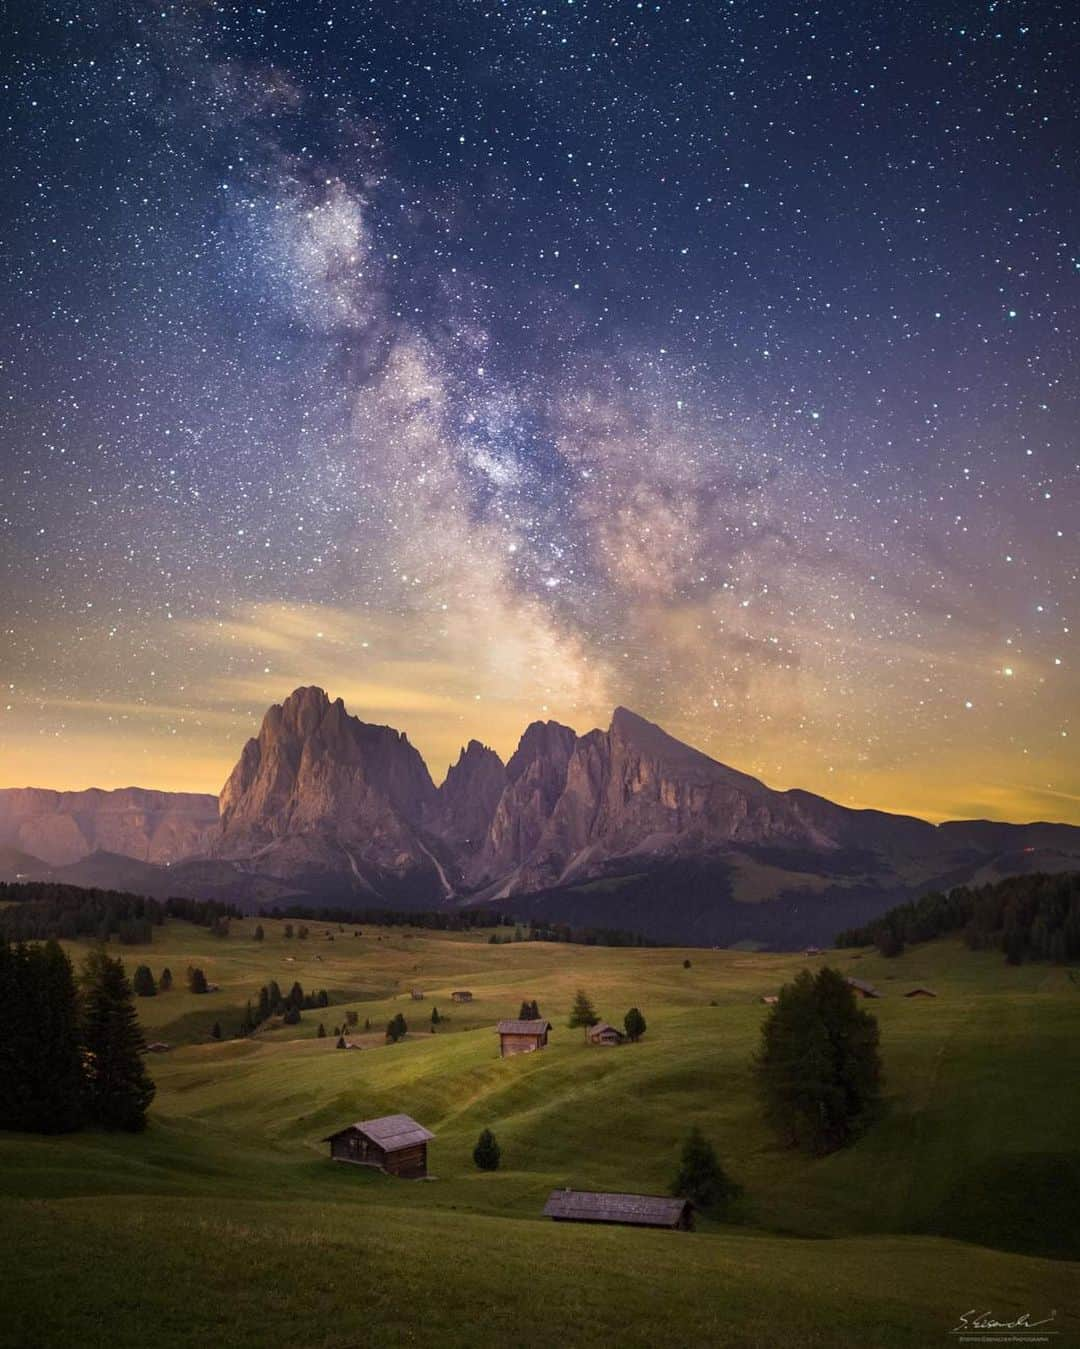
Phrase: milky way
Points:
(492, 362)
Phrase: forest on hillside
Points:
(1034, 917)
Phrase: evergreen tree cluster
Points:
(396, 1028)
(69, 1057)
(1035, 917)
(457, 920)
(40, 910)
(530, 1010)
(272, 1002)
(818, 1071)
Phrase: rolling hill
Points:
(965, 1194)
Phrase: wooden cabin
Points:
(461, 995)
(635, 1210)
(770, 999)
(395, 1144)
(522, 1037)
(417, 995)
(920, 993)
(864, 989)
(603, 1034)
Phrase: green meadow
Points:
(226, 1223)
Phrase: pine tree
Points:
(634, 1024)
(40, 1058)
(295, 997)
(396, 1028)
(341, 1042)
(143, 982)
(487, 1152)
(259, 933)
(118, 1089)
(197, 980)
(288, 931)
(583, 1013)
(530, 1010)
(700, 1177)
(165, 982)
(818, 1070)
(215, 1031)
(321, 1032)
(292, 1016)
(686, 964)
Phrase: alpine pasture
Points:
(227, 1223)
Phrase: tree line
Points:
(70, 1051)
(451, 920)
(40, 910)
(1034, 917)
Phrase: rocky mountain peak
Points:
(468, 797)
(542, 740)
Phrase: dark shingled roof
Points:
(390, 1132)
(642, 1210)
(523, 1027)
(864, 987)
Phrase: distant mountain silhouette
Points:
(626, 828)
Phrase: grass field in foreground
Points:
(225, 1222)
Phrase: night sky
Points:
(486, 362)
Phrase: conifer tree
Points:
(197, 980)
(700, 1177)
(487, 1152)
(215, 1031)
(435, 1017)
(341, 1042)
(118, 1089)
(818, 1070)
(165, 982)
(259, 933)
(40, 1058)
(321, 1032)
(634, 1024)
(143, 982)
(583, 1013)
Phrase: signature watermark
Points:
(983, 1327)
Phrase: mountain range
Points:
(623, 828)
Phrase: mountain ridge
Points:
(323, 806)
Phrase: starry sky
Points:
(488, 361)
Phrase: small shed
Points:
(813, 951)
(418, 995)
(864, 989)
(770, 999)
(920, 993)
(604, 1034)
(522, 1037)
(637, 1210)
(395, 1144)
(461, 995)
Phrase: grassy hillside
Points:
(226, 1221)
